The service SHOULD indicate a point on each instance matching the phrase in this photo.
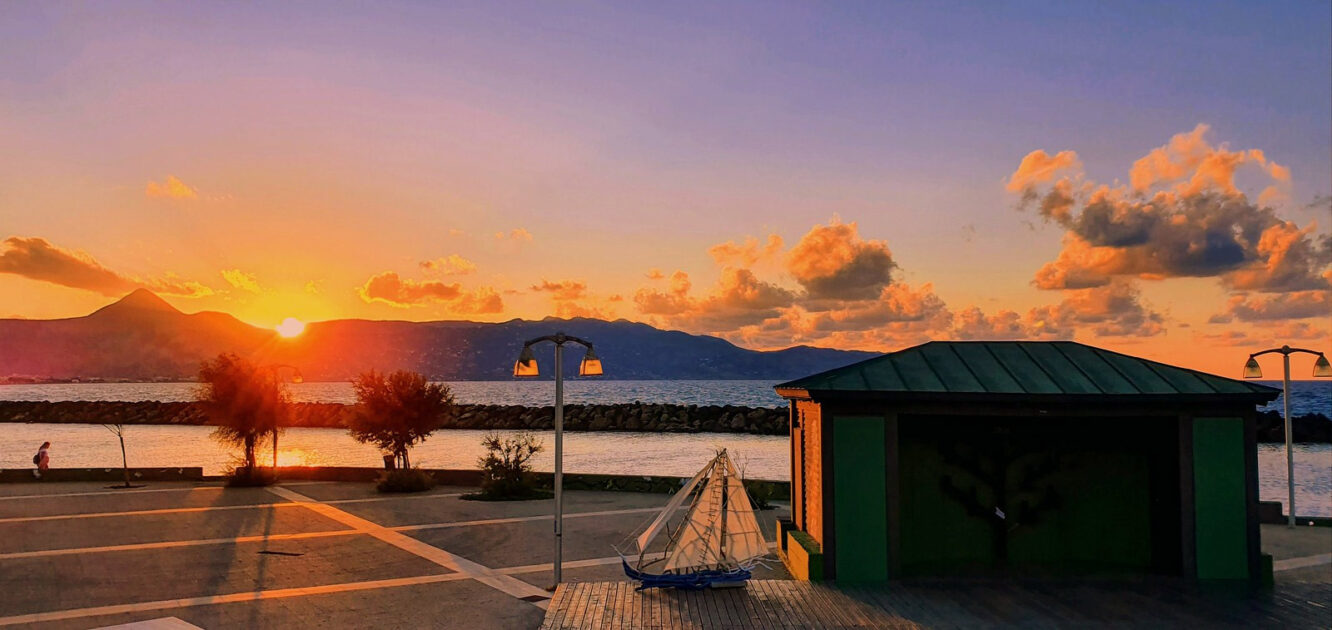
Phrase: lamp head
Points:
(1251, 369)
(526, 364)
(591, 365)
(1322, 369)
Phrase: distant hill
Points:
(143, 337)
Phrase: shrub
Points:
(506, 468)
(397, 411)
(760, 494)
(410, 480)
(244, 477)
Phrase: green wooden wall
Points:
(1220, 507)
(860, 517)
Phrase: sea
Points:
(626, 453)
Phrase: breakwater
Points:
(654, 418)
(657, 418)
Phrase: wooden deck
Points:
(780, 604)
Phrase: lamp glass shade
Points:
(1322, 369)
(525, 368)
(1251, 369)
(591, 365)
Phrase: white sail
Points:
(744, 540)
(674, 504)
(698, 543)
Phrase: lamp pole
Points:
(526, 366)
(1321, 369)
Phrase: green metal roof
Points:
(1019, 368)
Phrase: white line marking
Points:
(107, 492)
(482, 574)
(175, 544)
(161, 623)
(297, 536)
(1301, 563)
(377, 499)
(59, 517)
(246, 596)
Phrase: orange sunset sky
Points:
(852, 176)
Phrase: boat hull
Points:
(694, 581)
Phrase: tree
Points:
(398, 410)
(507, 465)
(119, 430)
(245, 401)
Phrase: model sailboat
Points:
(718, 542)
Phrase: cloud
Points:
(38, 259)
(1282, 306)
(748, 253)
(172, 188)
(1114, 310)
(1181, 216)
(389, 288)
(739, 298)
(562, 290)
(241, 280)
(832, 262)
(1039, 167)
(654, 274)
(516, 235)
(312, 288)
(973, 323)
(451, 265)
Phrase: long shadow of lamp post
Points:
(527, 366)
(1322, 369)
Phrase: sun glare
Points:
(290, 327)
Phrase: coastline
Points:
(640, 417)
(646, 417)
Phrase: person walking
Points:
(42, 459)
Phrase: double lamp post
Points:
(526, 366)
(1322, 369)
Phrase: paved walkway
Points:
(334, 554)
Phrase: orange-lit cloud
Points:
(171, 188)
(1039, 167)
(562, 290)
(517, 235)
(38, 259)
(1280, 306)
(451, 265)
(389, 288)
(241, 280)
(748, 253)
(833, 262)
(1182, 216)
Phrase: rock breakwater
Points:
(622, 417)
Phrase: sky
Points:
(1153, 179)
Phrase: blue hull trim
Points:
(695, 581)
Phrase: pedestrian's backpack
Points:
(37, 459)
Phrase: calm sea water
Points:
(678, 454)
(1306, 396)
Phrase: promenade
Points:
(340, 555)
(335, 555)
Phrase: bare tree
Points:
(119, 430)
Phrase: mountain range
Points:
(142, 337)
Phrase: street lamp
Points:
(1322, 369)
(526, 365)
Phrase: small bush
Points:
(251, 478)
(410, 480)
(760, 494)
(506, 468)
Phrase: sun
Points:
(290, 327)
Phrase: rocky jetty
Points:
(623, 417)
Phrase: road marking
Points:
(298, 536)
(45, 553)
(58, 517)
(1290, 564)
(246, 596)
(377, 499)
(503, 583)
(161, 623)
(108, 492)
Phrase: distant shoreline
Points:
(642, 417)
